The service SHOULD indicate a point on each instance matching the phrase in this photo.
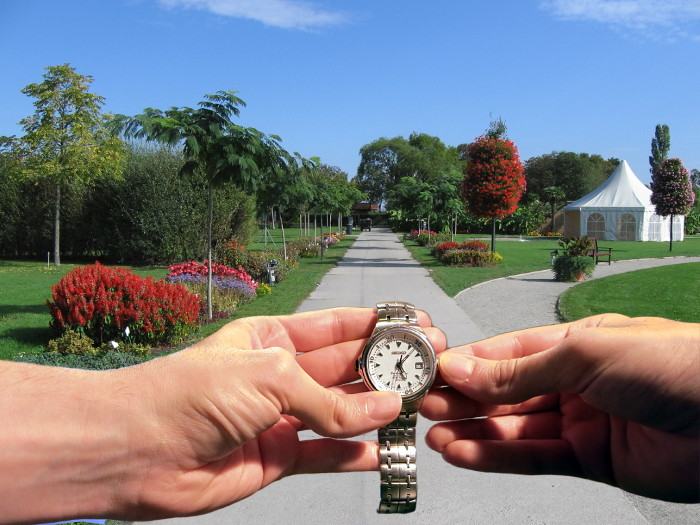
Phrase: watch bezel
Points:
(380, 334)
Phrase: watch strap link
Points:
(395, 314)
(397, 452)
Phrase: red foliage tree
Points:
(494, 179)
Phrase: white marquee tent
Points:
(620, 209)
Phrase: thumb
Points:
(342, 415)
(505, 382)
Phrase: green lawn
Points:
(25, 286)
(534, 254)
(669, 291)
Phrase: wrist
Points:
(64, 451)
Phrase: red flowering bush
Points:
(101, 302)
(494, 179)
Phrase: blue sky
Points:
(330, 76)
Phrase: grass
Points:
(25, 286)
(670, 291)
(533, 255)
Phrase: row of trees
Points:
(68, 142)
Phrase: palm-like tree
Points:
(210, 141)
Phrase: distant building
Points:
(363, 208)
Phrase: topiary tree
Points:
(494, 179)
(672, 191)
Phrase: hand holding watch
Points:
(398, 357)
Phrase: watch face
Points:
(399, 360)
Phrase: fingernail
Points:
(456, 367)
(383, 405)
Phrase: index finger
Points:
(312, 330)
(514, 345)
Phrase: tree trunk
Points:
(551, 228)
(210, 221)
(57, 228)
(670, 229)
(284, 239)
(493, 235)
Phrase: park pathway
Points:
(379, 268)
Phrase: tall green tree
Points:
(66, 139)
(385, 162)
(212, 142)
(671, 191)
(660, 146)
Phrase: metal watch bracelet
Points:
(397, 452)
(397, 441)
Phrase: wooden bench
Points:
(600, 253)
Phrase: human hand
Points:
(220, 420)
(609, 398)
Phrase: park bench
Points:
(598, 252)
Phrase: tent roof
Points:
(622, 190)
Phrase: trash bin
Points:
(272, 271)
(348, 225)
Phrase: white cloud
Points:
(646, 16)
(288, 14)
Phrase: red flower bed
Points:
(101, 302)
(217, 270)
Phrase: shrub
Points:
(72, 342)
(576, 246)
(569, 268)
(423, 239)
(100, 302)
(263, 289)
(471, 258)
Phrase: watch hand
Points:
(403, 359)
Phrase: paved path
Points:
(378, 268)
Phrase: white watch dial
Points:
(400, 361)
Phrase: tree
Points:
(553, 195)
(660, 146)
(385, 162)
(575, 173)
(672, 192)
(210, 141)
(66, 139)
(494, 179)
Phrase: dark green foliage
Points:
(660, 146)
(100, 361)
(575, 173)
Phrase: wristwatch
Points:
(398, 358)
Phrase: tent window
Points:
(595, 226)
(626, 227)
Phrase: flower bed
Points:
(101, 302)
(230, 286)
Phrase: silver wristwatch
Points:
(398, 357)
